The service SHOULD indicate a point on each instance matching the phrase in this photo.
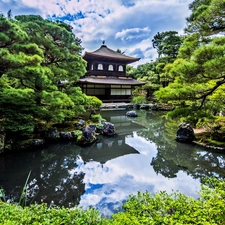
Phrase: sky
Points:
(128, 25)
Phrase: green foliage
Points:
(189, 114)
(100, 125)
(93, 102)
(143, 208)
(175, 208)
(12, 214)
(16, 110)
(2, 195)
(96, 117)
(23, 196)
(198, 72)
(138, 99)
(77, 134)
(167, 44)
(207, 17)
(35, 54)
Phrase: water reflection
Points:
(142, 156)
(107, 148)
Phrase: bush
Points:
(143, 208)
(96, 117)
(12, 214)
(176, 208)
(189, 114)
(139, 99)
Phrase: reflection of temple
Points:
(107, 148)
(123, 123)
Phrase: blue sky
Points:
(128, 25)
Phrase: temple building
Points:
(106, 75)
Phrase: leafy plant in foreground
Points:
(143, 208)
(176, 208)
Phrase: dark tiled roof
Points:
(105, 52)
(121, 81)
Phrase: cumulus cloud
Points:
(128, 25)
(133, 33)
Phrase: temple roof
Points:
(107, 53)
(113, 81)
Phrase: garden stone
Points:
(108, 129)
(185, 133)
(131, 113)
(52, 134)
(66, 136)
(80, 123)
(93, 127)
(87, 137)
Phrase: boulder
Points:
(108, 129)
(131, 113)
(185, 133)
(66, 136)
(80, 123)
(87, 137)
(52, 134)
(93, 127)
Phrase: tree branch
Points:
(209, 92)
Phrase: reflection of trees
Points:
(158, 129)
(52, 170)
(173, 156)
(62, 187)
(50, 180)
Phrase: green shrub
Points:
(93, 102)
(138, 99)
(189, 114)
(77, 133)
(143, 208)
(96, 117)
(176, 208)
(12, 214)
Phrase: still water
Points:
(142, 156)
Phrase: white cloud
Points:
(124, 24)
(133, 33)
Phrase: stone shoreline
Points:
(204, 145)
(208, 146)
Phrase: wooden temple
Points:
(106, 75)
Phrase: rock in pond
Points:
(108, 129)
(52, 134)
(87, 137)
(131, 113)
(66, 136)
(185, 133)
(80, 123)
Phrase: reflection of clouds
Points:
(108, 185)
(142, 145)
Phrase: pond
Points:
(142, 156)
